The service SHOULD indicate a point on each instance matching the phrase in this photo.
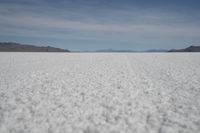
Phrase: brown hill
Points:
(16, 47)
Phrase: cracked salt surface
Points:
(99, 93)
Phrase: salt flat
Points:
(99, 92)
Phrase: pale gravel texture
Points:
(99, 93)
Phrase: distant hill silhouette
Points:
(188, 49)
(16, 47)
(112, 50)
(156, 50)
(128, 51)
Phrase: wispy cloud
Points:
(53, 23)
(37, 19)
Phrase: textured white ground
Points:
(99, 93)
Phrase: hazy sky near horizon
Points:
(101, 24)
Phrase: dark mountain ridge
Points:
(188, 49)
(16, 47)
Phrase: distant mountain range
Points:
(188, 49)
(111, 50)
(156, 50)
(16, 47)
(126, 51)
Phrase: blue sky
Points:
(101, 24)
